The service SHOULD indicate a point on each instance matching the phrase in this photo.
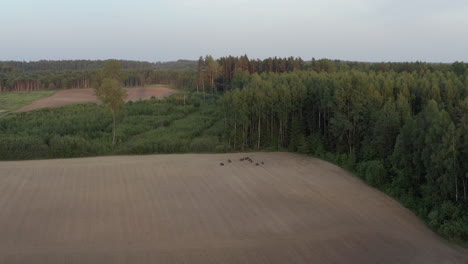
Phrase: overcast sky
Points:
(162, 30)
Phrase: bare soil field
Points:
(77, 96)
(189, 209)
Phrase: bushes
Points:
(204, 144)
(216, 130)
(69, 146)
(211, 140)
(157, 141)
(341, 159)
(167, 145)
(373, 172)
(23, 147)
(223, 148)
(450, 220)
(178, 136)
(313, 145)
(152, 126)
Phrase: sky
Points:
(166, 30)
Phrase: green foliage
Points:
(23, 147)
(458, 67)
(204, 144)
(297, 141)
(450, 220)
(373, 172)
(181, 135)
(113, 70)
(314, 146)
(69, 146)
(325, 65)
(153, 126)
(110, 91)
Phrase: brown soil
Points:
(77, 96)
(189, 209)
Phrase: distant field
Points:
(189, 209)
(77, 96)
(10, 101)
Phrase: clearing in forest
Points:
(77, 96)
(191, 209)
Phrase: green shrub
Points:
(69, 146)
(450, 220)
(216, 130)
(23, 147)
(151, 126)
(373, 172)
(223, 148)
(457, 229)
(204, 144)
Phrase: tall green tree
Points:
(111, 92)
(201, 76)
(350, 110)
(212, 68)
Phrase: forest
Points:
(405, 134)
(401, 127)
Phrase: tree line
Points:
(207, 74)
(226, 73)
(82, 65)
(69, 74)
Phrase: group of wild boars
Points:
(244, 159)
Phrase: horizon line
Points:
(250, 58)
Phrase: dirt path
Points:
(77, 96)
(189, 209)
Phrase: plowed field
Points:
(76, 96)
(190, 209)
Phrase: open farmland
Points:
(10, 101)
(77, 96)
(189, 209)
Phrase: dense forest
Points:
(401, 127)
(404, 133)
